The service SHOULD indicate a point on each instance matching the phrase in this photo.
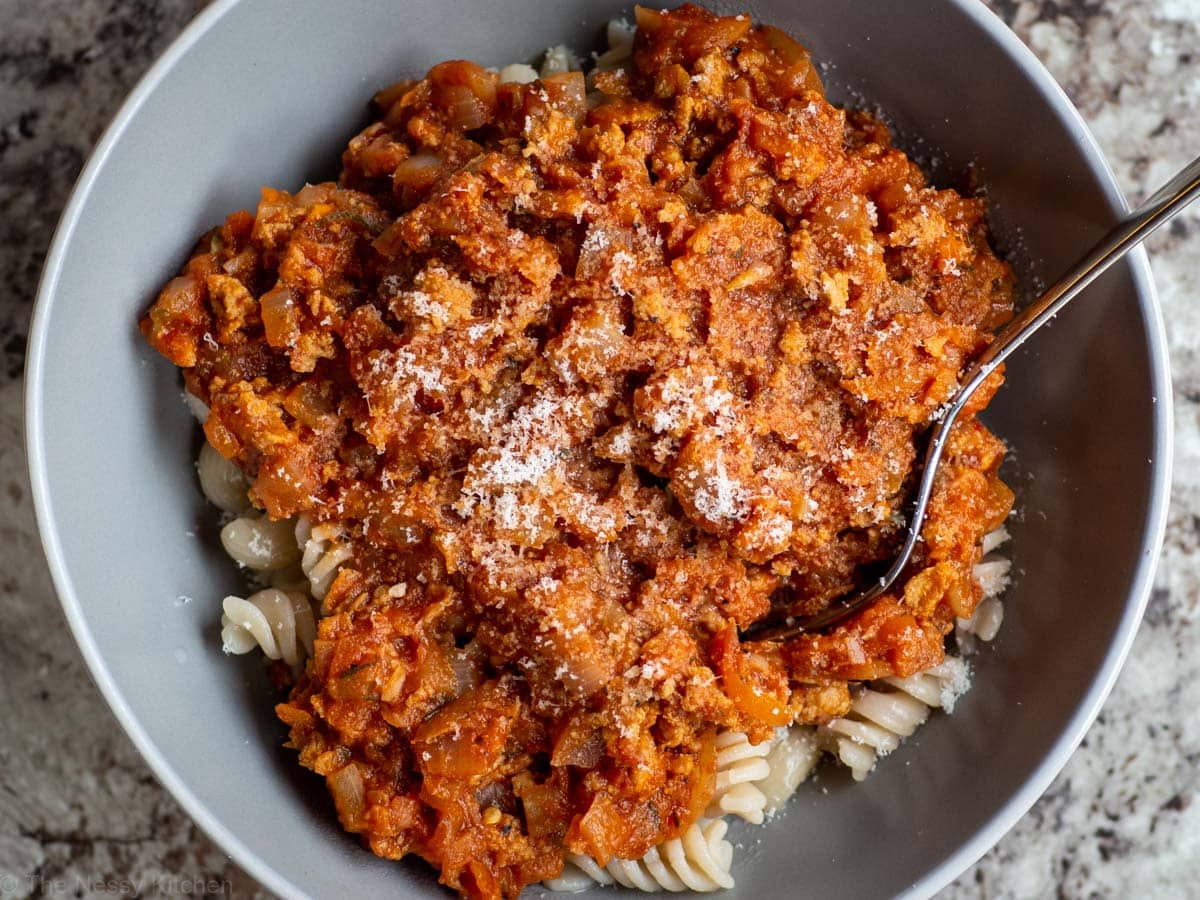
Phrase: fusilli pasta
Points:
(322, 554)
(697, 860)
(620, 45)
(794, 754)
(753, 781)
(259, 543)
(280, 623)
(196, 406)
(223, 483)
(518, 73)
(739, 765)
(992, 573)
(559, 59)
(289, 579)
(889, 710)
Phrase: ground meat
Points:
(589, 387)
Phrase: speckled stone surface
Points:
(80, 814)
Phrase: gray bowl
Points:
(267, 92)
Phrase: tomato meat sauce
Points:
(592, 376)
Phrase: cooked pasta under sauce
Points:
(567, 387)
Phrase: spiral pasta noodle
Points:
(793, 755)
(739, 765)
(223, 483)
(619, 33)
(885, 712)
(992, 573)
(697, 860)
(197, 407)
(753, 781)
(280, 623)
(258, 542)
(322, 553)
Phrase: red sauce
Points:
(588, 390)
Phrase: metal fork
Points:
(1128, 233)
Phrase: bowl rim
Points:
(936, 878)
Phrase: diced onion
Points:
(418, 172)
(281, 317)
(349, 794)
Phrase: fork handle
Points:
(1158, 209)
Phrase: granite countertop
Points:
(81, 815)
